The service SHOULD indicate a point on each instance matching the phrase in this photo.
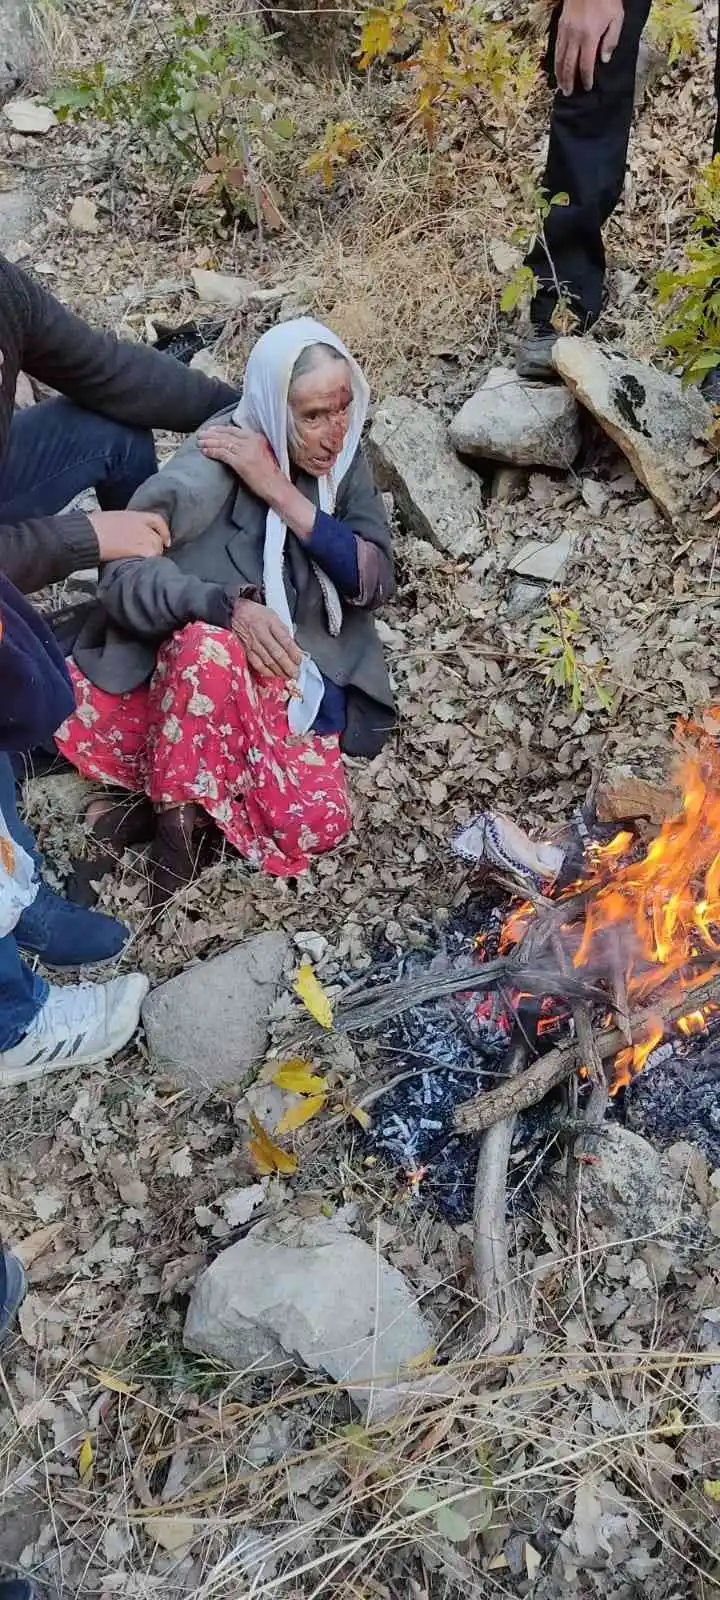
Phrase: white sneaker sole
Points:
(125, 1022)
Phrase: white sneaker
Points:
(79, 1025)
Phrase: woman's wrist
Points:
(295, 509)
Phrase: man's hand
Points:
(130, 533)
(586, 27)
(246, 453)
(270, 648)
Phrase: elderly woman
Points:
(225, 677)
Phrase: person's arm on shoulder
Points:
(131, 383)
(352, 547)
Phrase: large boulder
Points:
(509, 419)
(18, 45)
(653, 420)
(309, 1294)
(209, 1025)
(436, 496)
(17, 214)
(630, 1190)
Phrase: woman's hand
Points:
(269, 646)
(246, 453)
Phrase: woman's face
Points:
(321, 406)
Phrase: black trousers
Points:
(589, 133)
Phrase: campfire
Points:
(578, 984)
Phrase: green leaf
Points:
(452, 1524)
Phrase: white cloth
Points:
(264, 409)
(19, 882)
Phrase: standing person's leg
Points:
(589, 133)
(56, 450)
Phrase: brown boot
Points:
(179, 852)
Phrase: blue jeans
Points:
(55, 451)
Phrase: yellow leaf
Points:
(109, 1380)
(362, 1116)
(267, 1155)
(313, 996)
(712, 1488)
(300, 1113)
(86, 1457)
(296, 1076)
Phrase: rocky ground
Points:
(134, 1463)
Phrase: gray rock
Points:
(524, 597)
(209, 1024)
(308, 1293)
(436, 496)
(509, 419)
(18, 44)
(17, 213)
(630, 1190)
(541, 561)
(652, 419)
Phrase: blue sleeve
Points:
(333, 545)
(36, 694)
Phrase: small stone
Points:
(309, 1294)
(29, 116)
(222, 289)
(509, 419)
(20, 44)
(310, 944)
(209, 1024)
(541, 561)
(524, 597)
(630, 1190)
(508, 484)
(648, 414)
(437, 497)
(83, 215)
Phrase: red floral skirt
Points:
(206, 729)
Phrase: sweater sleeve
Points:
(151, 598)
(131, 383)
(360, 516)
(45, 550)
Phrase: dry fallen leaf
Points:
(171, 1533)
(267, 1155)
(109, 1380)
(313, 995)
(296, 1076)
(298, 1114)
(86, 1457)
(362, 1116)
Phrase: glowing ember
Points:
(696, 1021)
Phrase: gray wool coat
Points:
(217, 531)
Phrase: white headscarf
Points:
(264, 409)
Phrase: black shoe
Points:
(533, 359)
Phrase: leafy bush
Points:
(197, 108)
(692, 292)
(449, 53)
